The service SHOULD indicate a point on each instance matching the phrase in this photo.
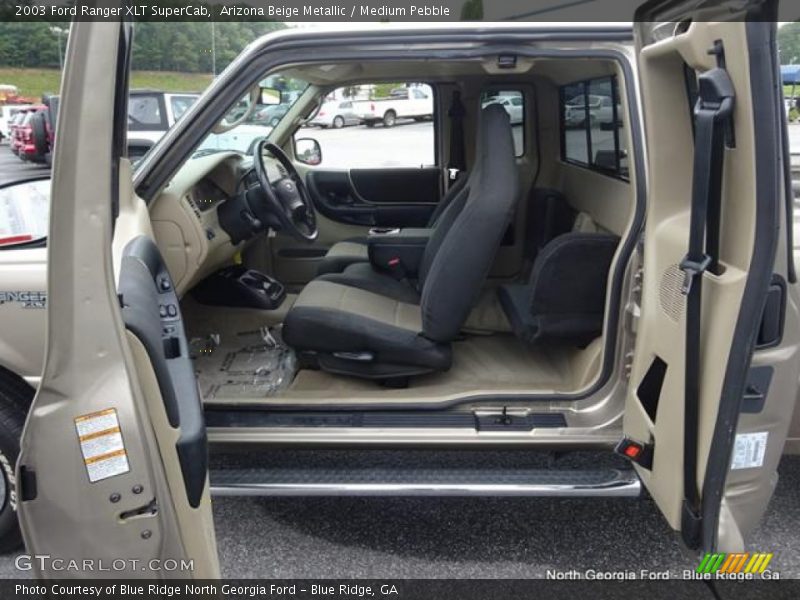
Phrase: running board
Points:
(425, 482)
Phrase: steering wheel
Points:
(287, 197)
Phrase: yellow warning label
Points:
(102, 446)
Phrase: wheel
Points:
(274, 121)
(338, 122)
(369, 123)
(39, 132)
(389, 119)
(15, 397)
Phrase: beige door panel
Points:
(97, 469)
(662, 326)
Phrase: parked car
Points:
(414, 103)
(545, 316)
(43, 127)
(513, 105)
(601, 110)
(31, 147)
(14, 126)
(270, 115)
(7, 112)
(152, 113)
(336, 114)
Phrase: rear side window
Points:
(180, 104)
(513, 101)
(145, 113)
(591, 120)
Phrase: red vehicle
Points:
(32, 135)
(13, 127)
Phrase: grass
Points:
(35, 82)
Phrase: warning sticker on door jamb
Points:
(102, 445)
(749, 450)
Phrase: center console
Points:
(236, 286)
(398, 251)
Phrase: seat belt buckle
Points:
(691, 269)
(396, 269)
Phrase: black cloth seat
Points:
(564, 300)
(365, 323)
(354, 250)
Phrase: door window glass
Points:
(382, 125)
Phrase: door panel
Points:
(733, 496)
(377, 197)
(112, 462)
(348, 203)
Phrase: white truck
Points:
(402, 103)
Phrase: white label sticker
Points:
(749, 450)
(102, 445)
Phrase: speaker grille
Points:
(670, 296)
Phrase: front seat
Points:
(355, 250)
(368, 324)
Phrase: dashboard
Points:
(207, 195)
(186, 217)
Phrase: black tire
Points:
(389, 118)
(39, 132)
(15, 398)
(338, 122)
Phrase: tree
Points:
(472, 10)
(789, 44)
(174, 46)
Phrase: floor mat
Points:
(249, 364)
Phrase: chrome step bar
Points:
(418, 482)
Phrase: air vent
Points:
(190, 201)
(670, 296)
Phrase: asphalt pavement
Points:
(13, 169)
(460, 537)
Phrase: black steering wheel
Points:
(287, 197)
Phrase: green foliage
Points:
(472, 10)
(33, 83)
(789, 44)
(174, 46)
(382, 90)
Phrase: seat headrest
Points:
(493, 120)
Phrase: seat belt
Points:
(457, 163)
(712, 114)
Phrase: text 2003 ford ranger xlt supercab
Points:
(623, 287)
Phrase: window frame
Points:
(616, 173)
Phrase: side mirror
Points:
(270, 96)
(308, 151)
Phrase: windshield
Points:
(261, 121)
